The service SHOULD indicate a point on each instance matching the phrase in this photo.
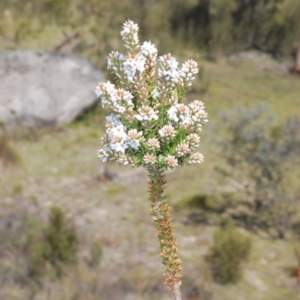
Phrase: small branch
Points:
(81, 46)
(68, 39)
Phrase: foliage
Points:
(229, 250)
(230, 25)
(204, 202)
(57, 245)
(201, 208)
(60, 239)
(212, 26)
(261, 156)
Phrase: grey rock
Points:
(45, 89)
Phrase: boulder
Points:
(45, 89)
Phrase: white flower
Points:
(121, 101)
(167, 131)
(182, 149)
(134, 138)
(130, 34)
(149, 158)
(145, 100)
(188, 71)
(185, 120)
(109, 87)
(113, 120)
(118, 100)
(179, 113)
(123, 159)
(155, 93)
(114, 59)
(168, 68)
(182, 109)
(126, 30)
(118, 147)
(173, 64)
(172, 114)
(196, 158)
(171, 161)
(133, 144)
(199, 116)
(98, 92)
(104, 88)
(193, 140)
(134, 134)
(133, 64)
(146, 113)
(116, 136)
(148, 49)
(153, 143)
(104, 153)
(117, 133)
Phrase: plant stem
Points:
(160, 212)
(177, 294)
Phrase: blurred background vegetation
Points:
(91, 28)
(67, 235)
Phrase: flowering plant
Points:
(150, 126)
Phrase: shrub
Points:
(205, 208)
(229, 250)
(262, 156)
(202, 201)
(213, 26)
(56, 244)
(60, 239)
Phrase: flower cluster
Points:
(149, 124)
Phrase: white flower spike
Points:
(150, 126)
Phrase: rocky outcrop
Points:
(45, 89)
